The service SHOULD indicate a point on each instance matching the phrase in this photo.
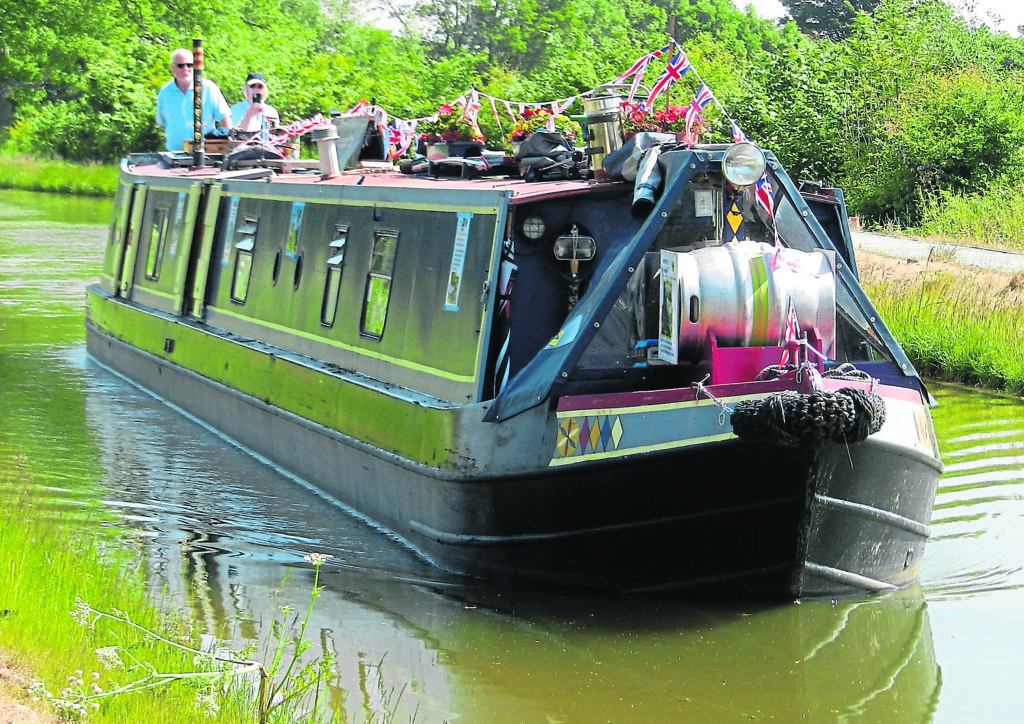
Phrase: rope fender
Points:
(790, 418)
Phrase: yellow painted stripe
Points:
(155, 293)
(596, 411)
(759, 280)
(623, 452)
(349, 348)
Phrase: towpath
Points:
(919, 249)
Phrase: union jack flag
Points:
(637, 80)
(700, 100)
(299, 128)
(792, 336)
(765, 195)
(400, 137)
(676, 69)
(358, 109)
(738, 136)
(766, 200)
(472, 108)
(643, 62)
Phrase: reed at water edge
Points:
(60, 566)
(955, 323)
(33, 174)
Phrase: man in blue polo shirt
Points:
(175, 104)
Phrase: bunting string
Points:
(400, 132)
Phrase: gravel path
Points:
(906, 248)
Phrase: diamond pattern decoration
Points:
(734, 221)
(579, 436)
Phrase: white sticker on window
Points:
(451, 297)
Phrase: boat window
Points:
(121, 204)
(378, 284)
(332, 286)
(243, 260)
(157, 234)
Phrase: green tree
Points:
(934, 108)
(829, 19)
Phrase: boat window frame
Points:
(332, 281)
(157, 235)
(245, 249)
(379, 278)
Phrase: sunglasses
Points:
(184, 65)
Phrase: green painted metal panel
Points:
(164, 247)
(433, 338)
(420, 434)
(114, 251)
(202, 259)
(126, 276)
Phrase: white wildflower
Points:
(316, 558)
(207, 703)
(108, 658)
(81, 612)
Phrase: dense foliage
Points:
(899, 101)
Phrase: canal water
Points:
(416, 645)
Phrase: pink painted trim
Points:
(617, 400)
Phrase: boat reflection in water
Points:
(413, 644)
(408, 649)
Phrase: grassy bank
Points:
(992, 218)
(33, 174)
(957, 324)
(54, 561)
(89, 642)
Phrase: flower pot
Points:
(437, 151)
(455, 149)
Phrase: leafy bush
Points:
(958, 132)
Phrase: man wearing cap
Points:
(175, 103)
(253, 114)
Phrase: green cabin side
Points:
(399, 292)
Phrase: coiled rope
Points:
(791, 418)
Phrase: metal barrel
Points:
(742, 292)
(604, 122)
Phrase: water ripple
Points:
(978, 520)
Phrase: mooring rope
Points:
(790, 418)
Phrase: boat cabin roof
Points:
(305, 172)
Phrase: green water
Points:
(416, 645)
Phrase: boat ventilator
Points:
(790, 418)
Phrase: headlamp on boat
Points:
(574, 248)
(743, 164)
(533, 227)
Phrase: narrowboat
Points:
(662, 376)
